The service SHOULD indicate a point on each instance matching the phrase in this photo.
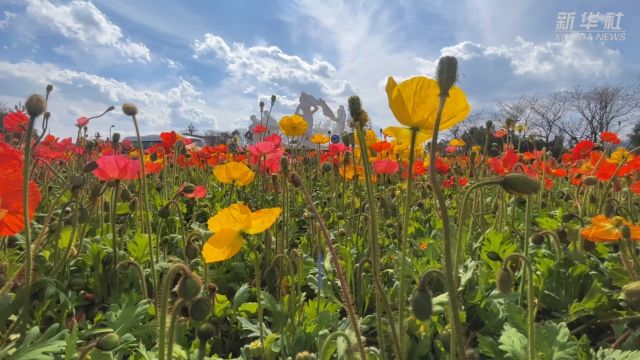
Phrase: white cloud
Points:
(85, 93)
(85, 24)
(8, 16)
(271, 65)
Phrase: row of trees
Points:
(562, 118)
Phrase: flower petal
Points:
(222, 245)
(261, 220)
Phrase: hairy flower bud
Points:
(200, 308)
(631, 292)
(519, 184)
(77, 180)
(295, 179)
(421, 304)
(273, 99)
(129, 109)
(504, 280)
(590, 180)
(108, 342)
(189, 286)
(205, 331)
(164, 212)
(49, 88)
(35, 105)
(447, 73)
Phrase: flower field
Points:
(392, 245)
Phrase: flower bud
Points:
(537, 239)
(205, 331)
(447, 73)
(129, 109)
(164, 212)
(77, 180)
(35, 105)
(295, 179)
(261, 105)
(284, 164)
(590, 180)
(504, 280)
(49, 88)
(421, 304)
(625, 230)
(108, 342)
(273, 99)
(189, 188)
(519, 184)
(305, 355)
(200, 309)
(347, 139)
(189, 287)
(89, 167)
(494, 256)
(326, 167)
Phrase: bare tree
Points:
(547, 112)
(190, 130)
(602, 108)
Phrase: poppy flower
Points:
(116, 168)
(610, 137)
(319, 139)
(500, 133)
(198, 193)
(387, 167)
(457, 142)
(82, 121)
(293, 125)
(229, 226)
(235, 173)
(259, 129)
(381, 146)
(605, 229)
(11, 205)
(582, 149)
(10, 160)
(635, 187)
(414, 103)
(15, 121)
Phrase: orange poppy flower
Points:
(605, 229)
(11, 206)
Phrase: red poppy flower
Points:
(606, 170)
(582, 149)
(610, 137)
(635, 187)
(82, 122)
(10, 160)
(381, 146)
(500, 133)
(387, 167)
(116, 167)
(15, 121)
(199, 193)
(259, 129)
(11, 206)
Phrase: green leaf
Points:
(139, 247)
(242, 295)
(547, 223)
(250, 307)
(123, 209)
(65, 237)
(610, 354)
(36, 346)
(513, 343)
(498, 243)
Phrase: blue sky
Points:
(210, 62)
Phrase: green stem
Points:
(457, 339)
(164, 300)
(27, 222)
(327, 342)
(531, 301)
(172, 326)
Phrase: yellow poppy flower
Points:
(403, 135)
(293, 125)
(415, 102)
(618, 155)
(476, 149)
(230, 224)
(235, 173)
(457, 143)
(319, 139)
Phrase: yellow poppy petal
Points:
(220, 172)
(403, 135)
(261, 220)
(222, 245)
(232, 217)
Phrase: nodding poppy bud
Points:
(273, 99)
(609, 209)
(200, 308)
(77, 180)
(115, 138)
(631, 292)
(125, 194)
(421, 304)
(494, 256)
(295, 179)
(164, 212)
(129, 109)
(625, 230)
(110, 108)
(89, 167)
(35, 105)
(537, 239)
(191, 251)
(49, 88)
(519, 184)
(347, 139)
(189, 286)
(504, 280)
(205, 331)
(189, 188)
(590, 180)
(567, 217)
(326, 167)
(261, 105)
(355, 105)
(305, 355)
(284, 164)
(108, 342)
(447, 73)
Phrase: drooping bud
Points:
(189, 286)
(305, 355)
(205, 331)
(326, 167)
(421, 304)
(77, 181)
(35, 105)
(284, 164)
(358, 115)
(129, 109)
(590, 180)
(295, 179)
(108, 342)
(273, 99)
(625, 230)
(537, 239)
(447, 73)
(504, 280)
(519, 184)
(164, 212)
(115, 138)
(189, 188)
(200, 308)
